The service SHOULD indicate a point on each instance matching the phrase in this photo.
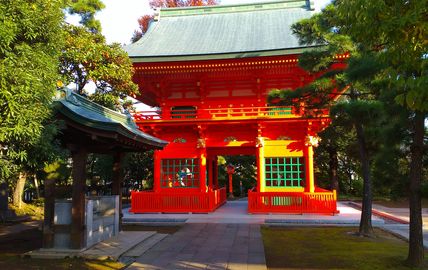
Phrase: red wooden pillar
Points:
(310, 142)
(210, 165)
(260, 162)
(203, 169)
(215, 172)
(77, 236)
(157, 171)
(117, 178)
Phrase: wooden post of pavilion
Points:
(117, 181)
(79, 156)
(49, 213)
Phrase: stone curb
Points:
(381, 214)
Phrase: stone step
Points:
(320, 221)
(142, 247)
(165, 221)
(116, 246)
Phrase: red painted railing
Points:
(221, 113)
(149, 202)
(292, 202)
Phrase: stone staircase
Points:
(138, 250)
(125, 247)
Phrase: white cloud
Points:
(119, 18)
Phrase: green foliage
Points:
(399, 41)
(58, 171)
(30, 41)
(338, 139)
(138, 167)
(87, 58)
(86, 9)
(99, 169)
(245, 172)
(373, 84)
(107, 100)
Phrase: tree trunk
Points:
(333, 164)
(36, 185)
(416, 248)
(19, 190)
(366, 228)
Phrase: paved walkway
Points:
(402, 215)
(207, 246)
(235, 212)
(17, 228)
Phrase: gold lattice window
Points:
(284, 172)
(180, 173)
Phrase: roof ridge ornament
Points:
(68, 95)
(234, 8)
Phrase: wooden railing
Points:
(292, 202)
(150, 202)
(218, 197)
(222, 114)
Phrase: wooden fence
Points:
(292, 202)
(149, 202)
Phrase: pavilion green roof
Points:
(91, 116)
(224, 31)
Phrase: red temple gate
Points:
(210, 81)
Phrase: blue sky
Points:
(119, 18)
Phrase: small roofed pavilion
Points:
(90, 128)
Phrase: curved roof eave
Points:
(90, 119)
(221, 56)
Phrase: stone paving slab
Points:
(402, 231)
(114, 247)
(207, 246)
(315, 222)
(142, 247)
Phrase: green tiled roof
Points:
(92, 115)
(216, 32)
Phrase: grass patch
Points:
(332, 248)
(35, 211)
